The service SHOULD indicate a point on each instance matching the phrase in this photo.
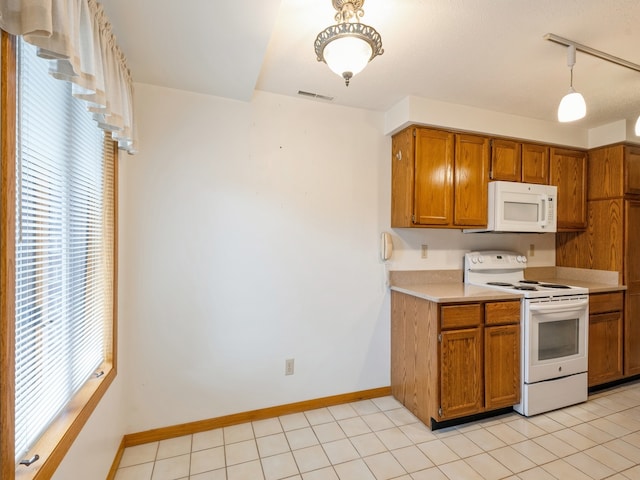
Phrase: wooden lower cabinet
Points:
(449, 361)
(605, 338)
(502, 366)
(461, 373)
(632, 335)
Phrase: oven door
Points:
(556, 337)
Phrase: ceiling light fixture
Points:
(572, 106)
(348, 46)
(594, 53)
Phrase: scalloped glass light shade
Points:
(572, 107)
(347, 54)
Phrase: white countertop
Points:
(447, 286)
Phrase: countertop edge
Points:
(461, 292)
(454, 292)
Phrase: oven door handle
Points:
(558, 306)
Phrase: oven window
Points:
(558, 339)
(521, 212)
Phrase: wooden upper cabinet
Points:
(632, 170)
(605, 173)
(402, 170)
(433, 197)
(471, 178)
(613, 171)
(568, 171)
(506, 161)
(438, 179)
(519, 162)
(535, 163)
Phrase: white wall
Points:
(446, 248)
(250, 235)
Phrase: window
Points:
(64, 234)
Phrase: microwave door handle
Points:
(543, 216)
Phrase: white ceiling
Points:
(483, 53)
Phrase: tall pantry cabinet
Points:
(612, 238)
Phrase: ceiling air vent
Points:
(314, 95)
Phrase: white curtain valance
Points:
(76, 37)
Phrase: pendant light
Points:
(572, 106)
(348, 46)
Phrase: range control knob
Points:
(521, 259)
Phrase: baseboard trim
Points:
(173, 431)
(116, 461)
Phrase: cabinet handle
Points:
(399, 155)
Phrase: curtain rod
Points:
(592, 51)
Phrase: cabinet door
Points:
(460, 316)
(605, 168)
(535, 163)
(632, 281)
(502, 366)
(605, 235)
(568, 171)
(632, 335)
(632, 171)
(505, 160)
(632, 246)
(434, 151)
(502, 313)
(471, 180)
(402, 182)
(461, 373)
(605, 347)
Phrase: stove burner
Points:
(525, 287)
(500, 284)
(533, 282)
(554, 285)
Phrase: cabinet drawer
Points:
(502, 313)
(605, 302)
(456, 316)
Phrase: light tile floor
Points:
(379, 440)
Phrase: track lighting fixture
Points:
(572, 106)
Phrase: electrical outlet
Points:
(532, 250)
(288, 366)
(425, 251)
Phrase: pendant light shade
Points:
(572, 106)
(347, 54)
(348, 46)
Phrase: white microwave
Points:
(521, 207)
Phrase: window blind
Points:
(64, 247)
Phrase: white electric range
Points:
(554, 334)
